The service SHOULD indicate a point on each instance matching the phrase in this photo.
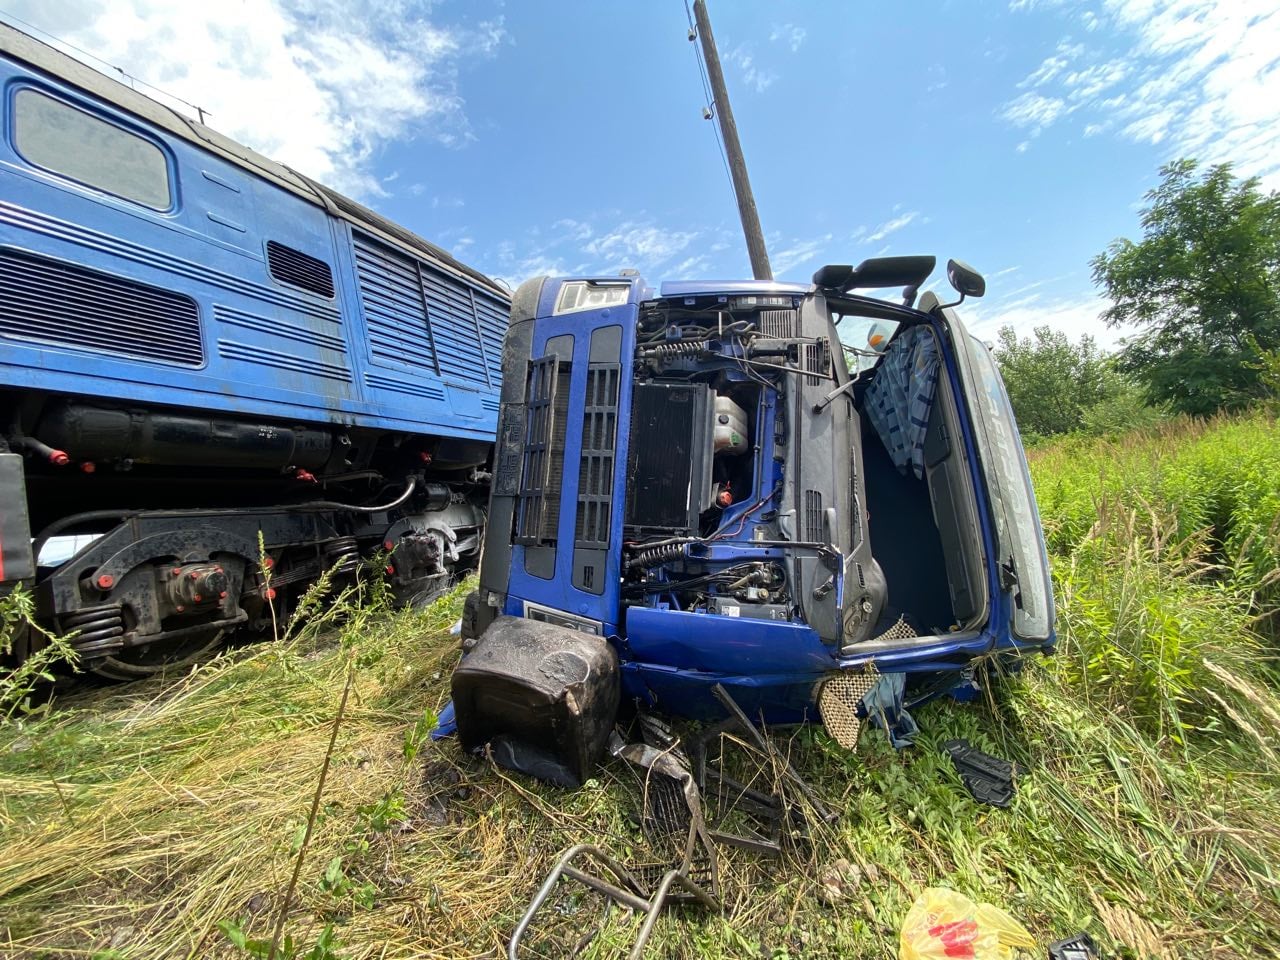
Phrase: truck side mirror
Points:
(967, 281)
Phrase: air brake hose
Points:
(350, 508)
(18, 439)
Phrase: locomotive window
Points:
(77, 145)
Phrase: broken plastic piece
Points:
(989, 779)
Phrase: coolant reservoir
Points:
(731, 427)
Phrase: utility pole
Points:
(760, 268)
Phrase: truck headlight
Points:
(588, 295)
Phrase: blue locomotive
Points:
(202, 350)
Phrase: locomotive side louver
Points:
(48, 301)
(427, 320)
(299, 269)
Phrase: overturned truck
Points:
(703, 485)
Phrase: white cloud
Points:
(1033, 110)
(789, 34)
(798, 252)
(691, 268)
(1073, 317)
(578, 247)
(1201, 78)
(756, 78)
(1052, 66)
(891, 226)
(320, 85)
(634, 243)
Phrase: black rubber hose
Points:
(381, 508)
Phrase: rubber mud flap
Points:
(546, 698)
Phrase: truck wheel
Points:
(471, 616)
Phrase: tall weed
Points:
(1217, 481)
(1154, 627)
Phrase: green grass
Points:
(137, 819)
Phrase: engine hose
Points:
(679, 348)
(350, 508)
(652, 556)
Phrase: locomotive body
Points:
(200, 347)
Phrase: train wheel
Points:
(138, 663)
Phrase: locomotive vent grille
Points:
(298, 269)
(48, 301)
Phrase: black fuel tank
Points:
(180, 439)
(543, 696)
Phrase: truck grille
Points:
(542, 469)
(48, 301)
(595, 473)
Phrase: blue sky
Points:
(569, 138)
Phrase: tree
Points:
(1050, 380)
(1202, 287)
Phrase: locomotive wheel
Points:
(138, 663)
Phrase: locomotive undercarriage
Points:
(252, 514)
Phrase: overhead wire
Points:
(93, 56)
(712, 106)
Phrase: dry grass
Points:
(135, 819)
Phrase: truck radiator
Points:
(669, 463)
(542, 469)
(48, 301)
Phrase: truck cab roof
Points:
(695, 288)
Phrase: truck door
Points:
(1019, 539)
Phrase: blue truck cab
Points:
(702, 484)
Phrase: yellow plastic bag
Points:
(943, 924)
